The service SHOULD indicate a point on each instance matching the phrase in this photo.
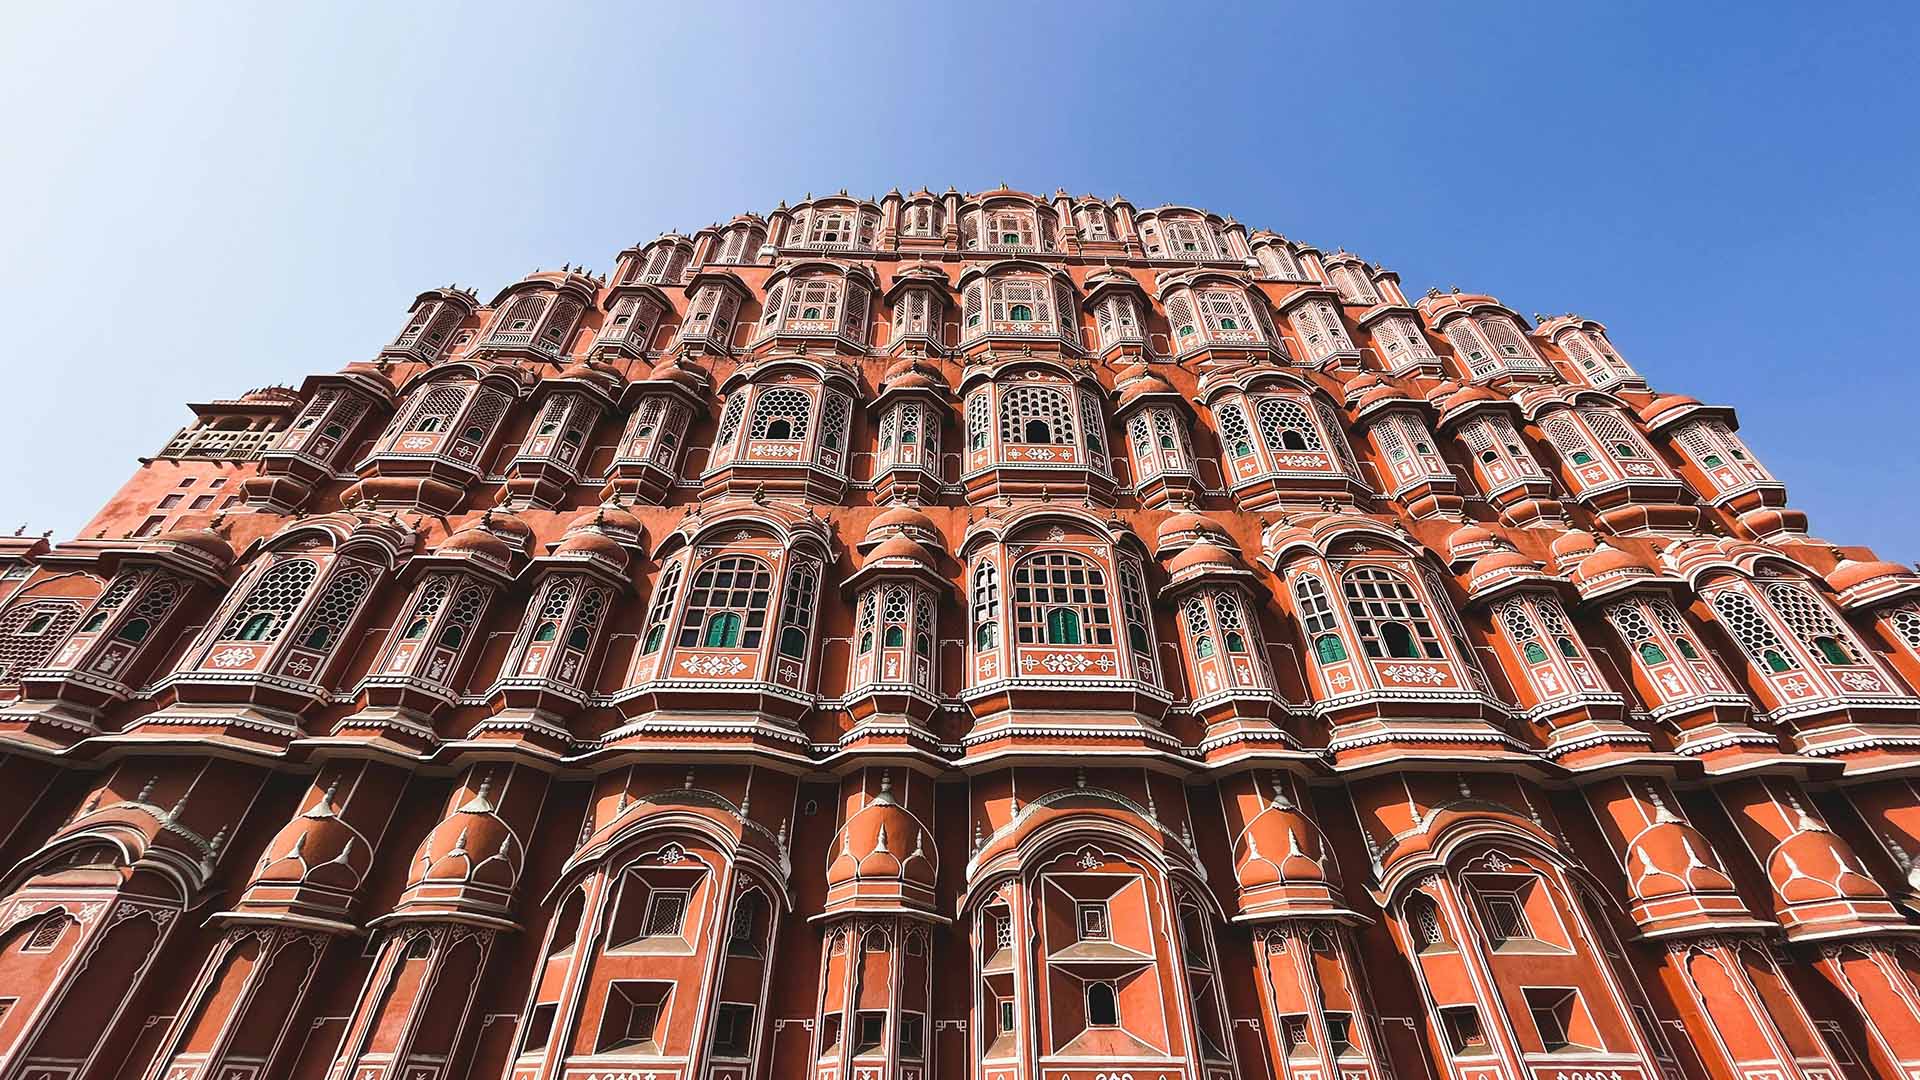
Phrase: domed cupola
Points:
(883, 860)
(470, 863)
(1156, 422)
(312, 870)
(1281, 866)
(909, 416)
(896, 601)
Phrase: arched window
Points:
(781, 413)
(335, 608)
(1389, 616)
(1060, 598)
(1036, 415)
(263, 615)
(1755, 634)
(1285, 424)
(803, 581)
(727, 604)
(986, 605)
(1103, 1010)
(1316, 616)
(663, 598)
(1809, 619)
(1235, 434)
(1423, 923)
(743, 931)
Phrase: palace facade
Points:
(960, 637)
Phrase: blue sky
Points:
(200, 199)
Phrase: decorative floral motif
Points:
(713, 665)
(1425, 674)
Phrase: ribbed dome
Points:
(206, 544)
(1666, 405)
(1187, 528)
(901, 549)
(881, 851)
(902, 521)
(1851, 574)
(472, 844)
(1470, 541)
(317, 848)
(1571, 546)
(1278, 847)
(1204, 556)
(1608, 561)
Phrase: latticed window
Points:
(465, 613)
(1025, 302)
(782, 413)
(1235, 434)
(1618, 436)
(730, 420)
(1191, 239)
(335, 608)
(46, 933)
(1712, 445)
(1095, 427)
(1509, 343)
(986, 605)
(1286, 425)
(110, 601)
(727, 605)
(1569, 439)
(664, 596)
(833, 426)
(553, 610)
(1316, 616)
(1755, 635)
(1320, 329)
(1401, 341)
(1808, 618)
(979, 430)
(29, 632)
(262, 616)
(1493, 441)
(1093, 224)
(1060, 598)
(1388, 615)
(803, 584)
(1225, 313)
(1905, 621)
(489, 407)
(1199, 627)
(1353, 285)
(1133, 602)
(438, 408)
(1238, 636)
(815, 300)
(1036, 415)
(1465, 338)
(1278, 262)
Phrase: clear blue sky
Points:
(198, 199)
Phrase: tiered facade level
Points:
(960, 637)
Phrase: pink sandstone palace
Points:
(960, 637)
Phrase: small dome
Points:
(203, 543)
(318, 848)
(1378, 396)
(1470, 541)
(601, 535)
(1572, 545)
(492, 537)
(1608, 561)
(882, 843)
(1187, 528)
(472, 844)
(1202, 557)
(1278, 847)
(1144, 383)
(900, 550)
(1666, 405)
(902, 521)
(673, 371)
(1504, 562)
(1851, 574)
